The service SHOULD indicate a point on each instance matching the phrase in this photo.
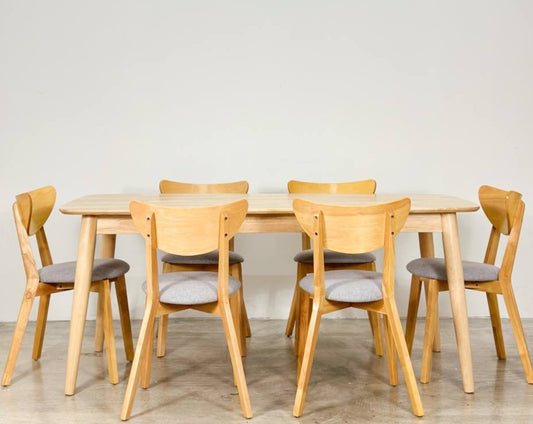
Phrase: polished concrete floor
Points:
(193, 383)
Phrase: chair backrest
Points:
(353, 229)
(505, 211)
(187, 231)
(354, 187)
(31, 211)
(175, 187)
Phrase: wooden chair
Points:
(188, 231)
(31, 211)
(332, 260)
(505, 211)
(351, 230)
(203, 262)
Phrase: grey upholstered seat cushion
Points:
(435, 268)
(332, 257)
(210, 258)
(103, 269)
(348, 285)
(191, 288)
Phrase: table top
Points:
(261, 203)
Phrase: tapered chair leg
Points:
(432, 294)
(375, 325)
(518, 330)
(405, 360)
(146, 366)
(392, 360)
(18, 335)
(236, 360)
(40, 326)
(162, 330)
(124, 313)
(307, 361)
(412, 312)
(138, 360)
(99, 325)
(303, 327)
(109, 334)
(492, 300)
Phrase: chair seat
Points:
(191, 288)
(103, 269)
(435, 269)
(352, 286)
(332, 257)
(210, 258)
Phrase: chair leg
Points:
(162, 330)
(124, 312)
(436, 337)
(405, 359)
(492, 300)
(412, 312)
(392, 360)
(99, 326)
(518, 330)
(109, 335)
(432, 318)
(235, 302)
(18, 335)
(236, 360)
(292, 321)
(303, 327)
(146, 366)
(375, 325)
(133, 381)
(236, 272)
(40, 326)
(307, 361)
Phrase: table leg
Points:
(454, 269)
(80, 299)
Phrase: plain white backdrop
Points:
(112, 96)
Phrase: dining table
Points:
(107, 215)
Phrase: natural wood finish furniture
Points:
(352, 230)
(305, 267)
(505, 211)
(175, 263)
(188, 231)
(31, 211)
(109, 215)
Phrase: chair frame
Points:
(176, 187)
(369, 228)
(207, 229)
(505, 211)
(31, 211)
(353, 187)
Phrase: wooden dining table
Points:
(108, 215)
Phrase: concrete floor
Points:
(193, 383)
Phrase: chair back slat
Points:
(187, 231)
(175, 187)
(355, 187)
(35, 207)
(500, 207)
(352, 229)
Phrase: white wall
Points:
(112, 96)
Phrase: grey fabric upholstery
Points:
(191, 288)
(435, 268)
(348, 285)
(103, 269)
(210, 258)
(331, 257)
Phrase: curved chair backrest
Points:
(35, 207)
(175, 187)
(188, 231)
(352, 229)
(355, 187)
(500, 207)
